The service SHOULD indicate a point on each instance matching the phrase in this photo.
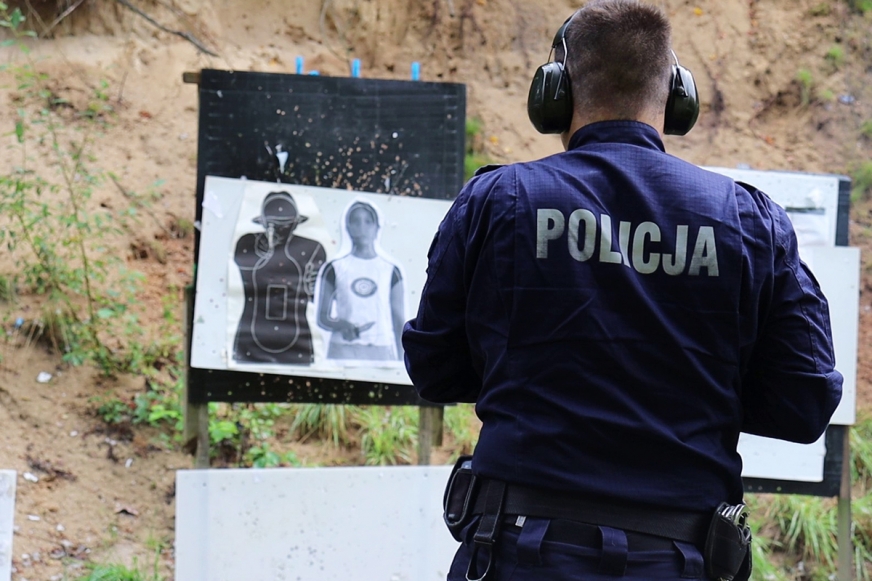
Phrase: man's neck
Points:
(655, 120)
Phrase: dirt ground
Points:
(102, 497)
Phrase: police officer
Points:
(618, 316)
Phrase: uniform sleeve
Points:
(791, 388)
(437, 353)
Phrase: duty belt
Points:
(724, 538)
(685, 526)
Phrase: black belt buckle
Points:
(459, 497)
(728, 544)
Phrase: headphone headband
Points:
(560, 37)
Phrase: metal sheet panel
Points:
(379, 524)
(7, 522)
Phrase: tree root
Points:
(186, 35)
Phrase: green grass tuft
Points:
(325, 421)
(117, 572)
(836, 55)
(476, 156)
(806, 83)
(460, 421)
(388, 434)
(862, 178)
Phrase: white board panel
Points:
(365, 524)
(7, 522)
(838, 272)
(779, 460)
(795, 191)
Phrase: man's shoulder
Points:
(487, 169)
(481, 186)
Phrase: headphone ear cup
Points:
(549, 103)
(682, 106)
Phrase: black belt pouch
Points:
(459, 497)
(727, 549)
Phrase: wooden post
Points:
(429, 432)
(195, 434)
(201, 461)
(846, 545)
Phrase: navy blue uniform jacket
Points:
(618, 315)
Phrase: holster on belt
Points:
(727, 553)
(459, 498)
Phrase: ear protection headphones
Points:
(549, 103)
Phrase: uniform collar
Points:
(630, 132)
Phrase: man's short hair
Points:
(619, 57)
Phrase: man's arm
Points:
(437, 352)
(791, 388)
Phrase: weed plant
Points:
(475, 156)
(462, 424)
(861, 6)
(63, 248)
(805, 78)
(388, 434)
(861, 453)
(862, 181)
(118, 572)
(328, 422)
(835, 56)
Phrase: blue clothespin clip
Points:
(355, 68)
(299, 65)
(416, 71)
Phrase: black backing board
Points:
(391, 137)
(844, 211)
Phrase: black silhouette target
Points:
(278, 270)
(399, 138)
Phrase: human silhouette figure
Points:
(278, 272)
(360, 297)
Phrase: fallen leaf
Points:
(697, 11)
